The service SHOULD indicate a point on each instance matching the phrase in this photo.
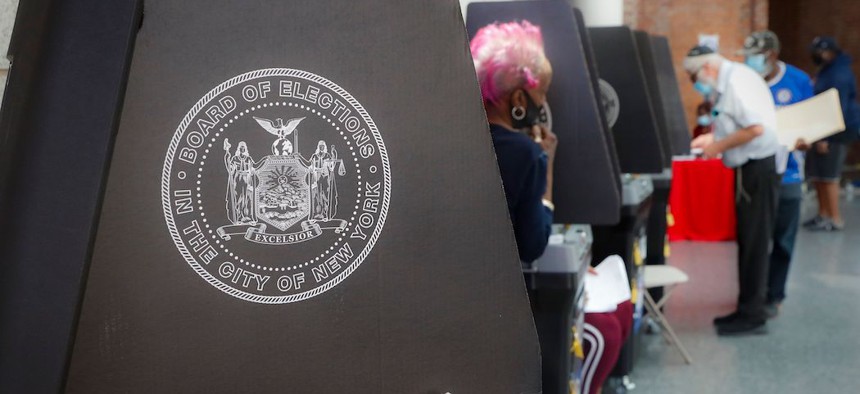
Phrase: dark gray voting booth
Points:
(676, 116)
(643, 225)
(627, 100)
(586, 183)
(648, 60)
(284, 209)
(634, 108)
(679, 139)
(69, 66)
(591, 61)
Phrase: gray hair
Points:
(695, 63)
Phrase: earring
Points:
(518, 113)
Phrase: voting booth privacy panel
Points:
(69, 65)
(591, 61)
(586, 179)
(670, 93)
(301, 197)
(647, 59)
(627, 101)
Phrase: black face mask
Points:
(534, 114)
(817, 59)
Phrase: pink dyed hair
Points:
(508, 56)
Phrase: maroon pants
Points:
(603, 336)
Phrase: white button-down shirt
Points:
(744, 100)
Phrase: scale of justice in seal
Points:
(276, 186)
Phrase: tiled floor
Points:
(812, 347)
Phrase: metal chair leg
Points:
(667, 291)
(653, 318)
(661, 319)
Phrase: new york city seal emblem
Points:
(276, 185)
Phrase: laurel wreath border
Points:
(168, 166)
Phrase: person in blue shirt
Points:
(824, 163)
(789, 85)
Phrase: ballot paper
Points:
(608, 287)
(811, 120)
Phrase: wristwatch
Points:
(548, 204)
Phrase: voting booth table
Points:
(254, 196)
(585, 160)
(703, 201)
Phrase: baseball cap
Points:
(760, 41)
(824, 43)
(695, 58)
(699, 51)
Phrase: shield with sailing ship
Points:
(282, 194)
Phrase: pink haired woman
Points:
(514, 75)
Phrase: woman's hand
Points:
(548, 142)
(546, 139)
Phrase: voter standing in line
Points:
(824, 162)
(788, 85)
(745, 135)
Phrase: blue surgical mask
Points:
(703, 88)
(704, 120)
(758, 63)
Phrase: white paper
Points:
(811, 120)
(608, 288)
(710, 40)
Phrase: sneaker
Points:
(743, 326)
(827, 226)
(771, 310)
(723, 320)
(815, 221)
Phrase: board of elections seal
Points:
(610, 101)
(276, 185)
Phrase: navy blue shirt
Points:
(522, 164)
(838, 74)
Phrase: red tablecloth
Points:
(702, 201)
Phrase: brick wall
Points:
(683, 20)
(797, 22)
(631, 12)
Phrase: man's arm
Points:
(734, 140)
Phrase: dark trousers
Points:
(757, 193)
(784, 235)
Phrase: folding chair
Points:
(669, 277)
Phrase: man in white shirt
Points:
(745, 135)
